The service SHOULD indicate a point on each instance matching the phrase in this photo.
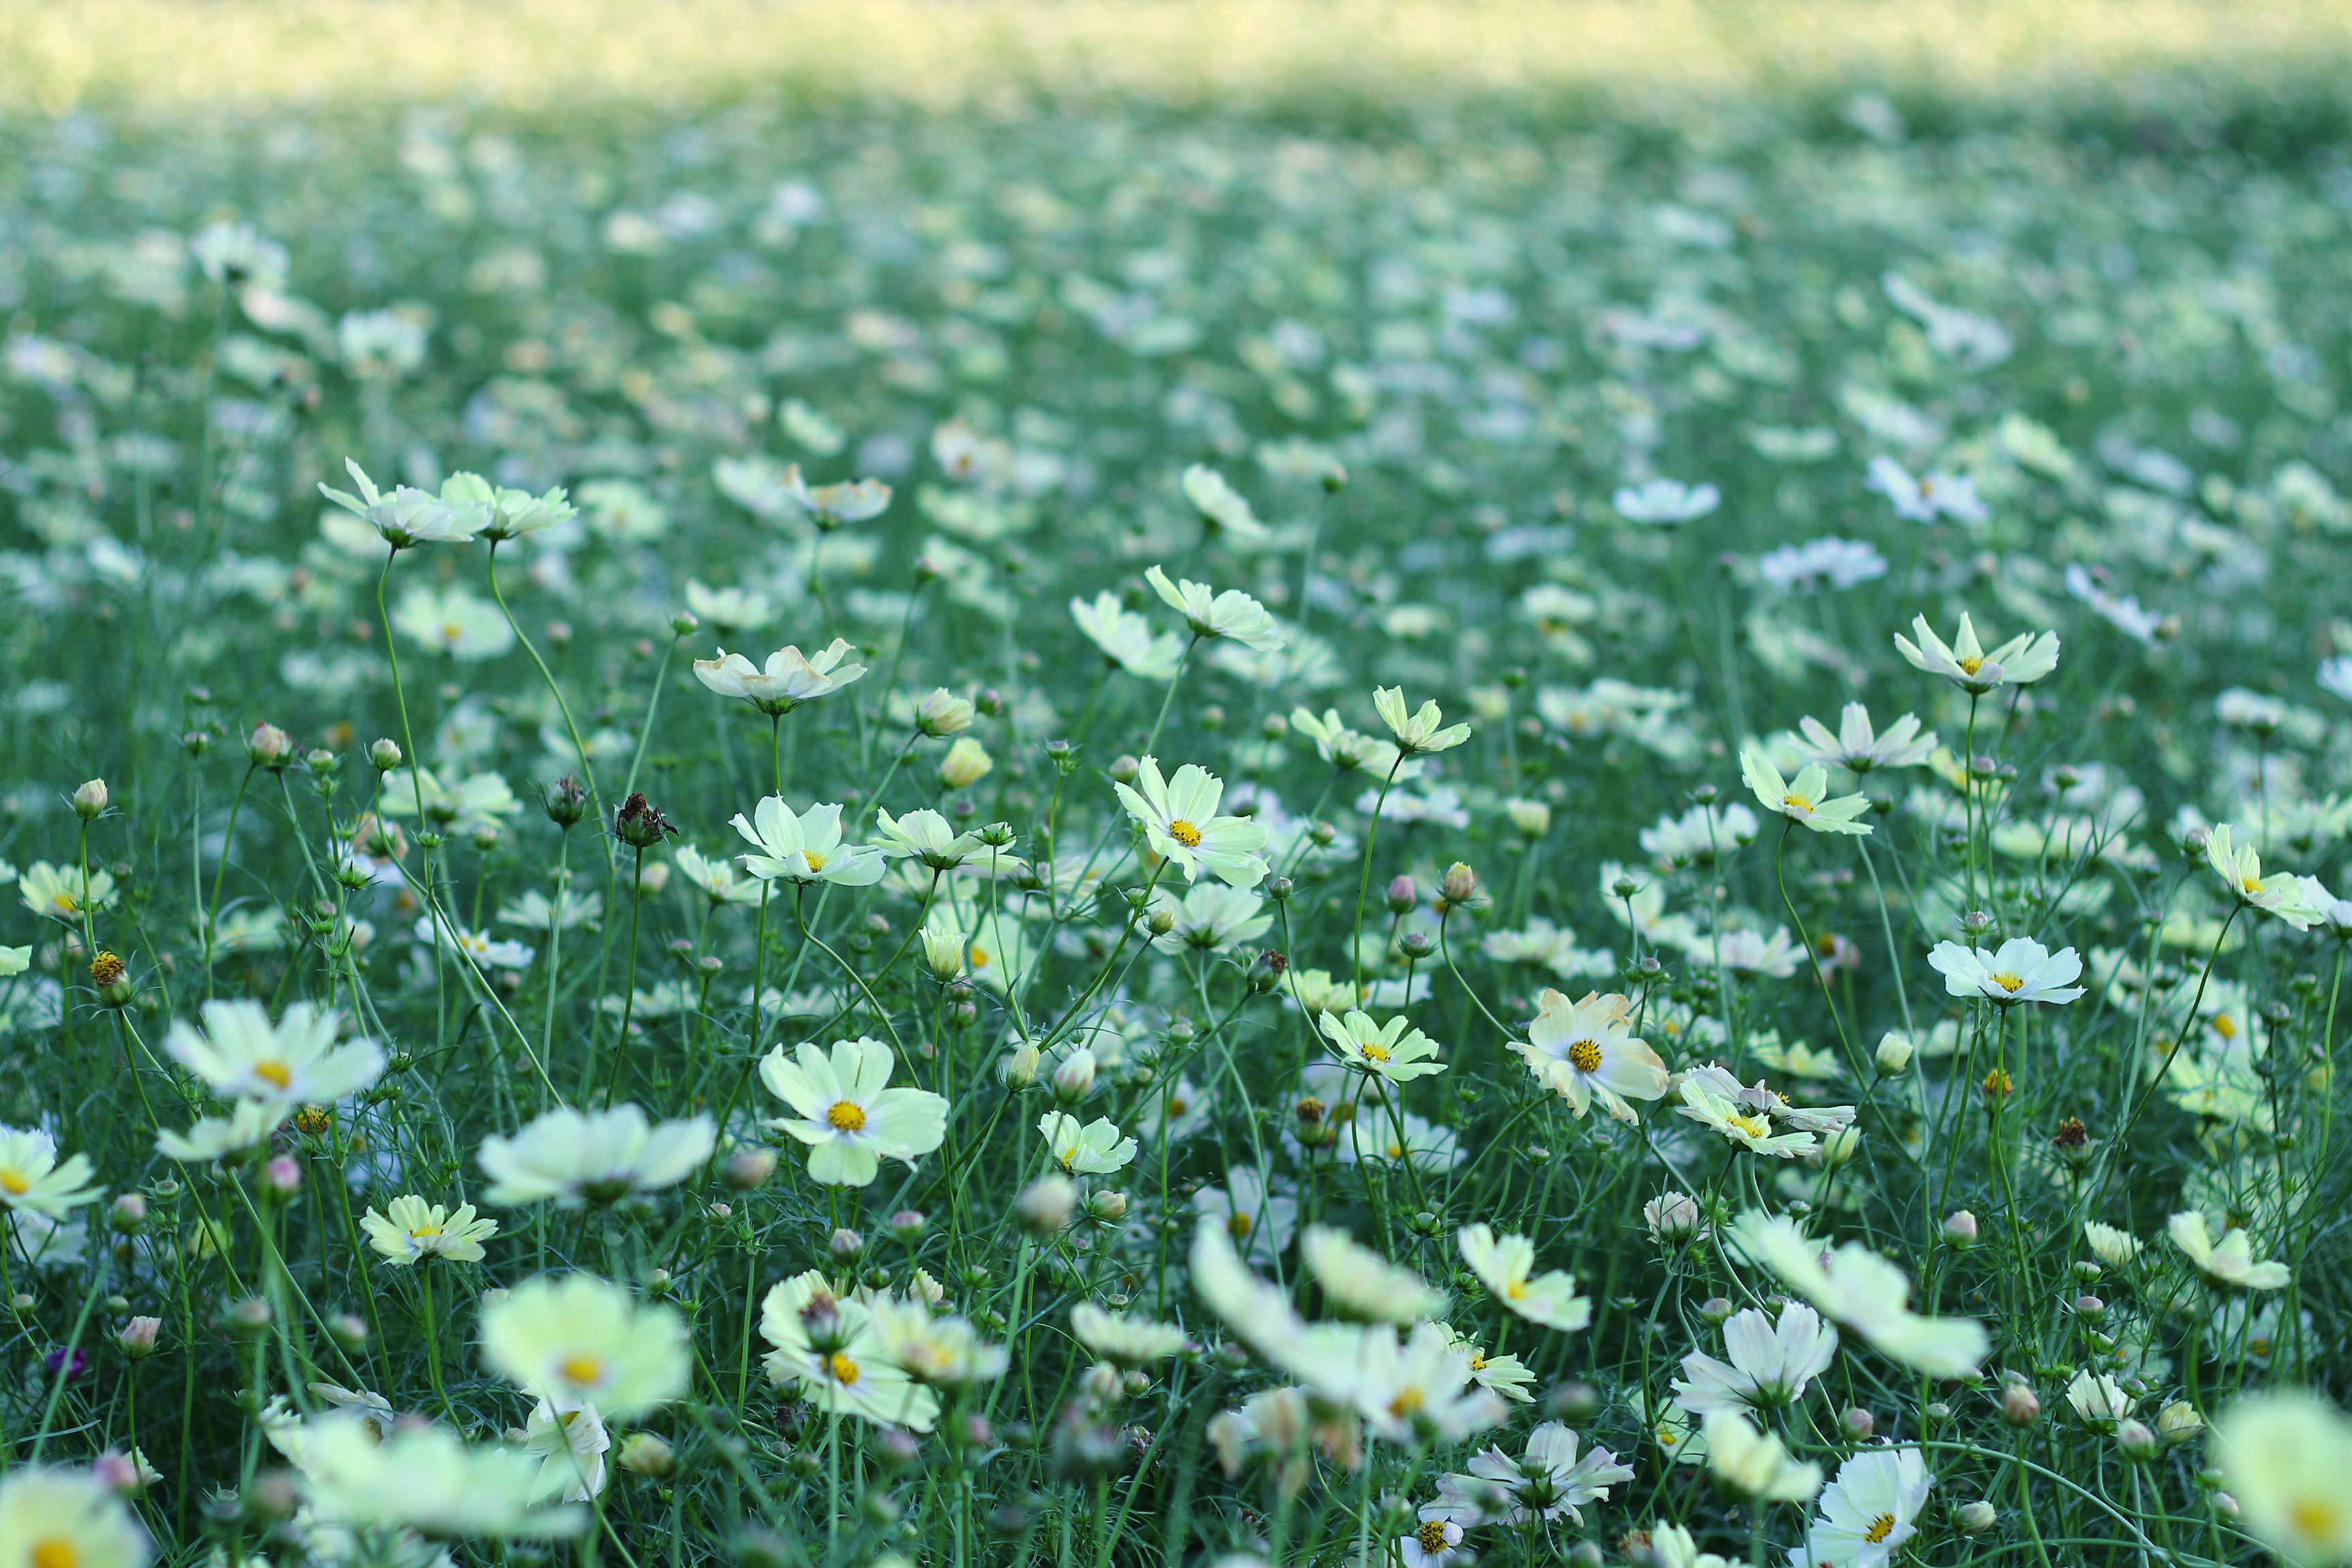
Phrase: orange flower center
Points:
(844, 1371)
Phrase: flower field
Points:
(1054, 799)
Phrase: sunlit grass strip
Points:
(539, 53)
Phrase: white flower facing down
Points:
(788, 678)
(1587, 1050)
(571, 1442)
(1223, 507)
(1771, 1363)
(1505, 1266)
(2020, 661)
(2284, 1457)
(1548, 1481)
(1805, 799)
(1858, 748)
(1124, 1341)
(847, 1112)
(2021, 969)
(1870, 1510)
(1231, 614)
(241, 1054)
(593, 1157)
(2229, 1261)
(1127, 639)
(1360, 1283)
(1861, 1291)
(577, 1339)
(1180, 822)
(805, 847)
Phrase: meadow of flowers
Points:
(1148, 836)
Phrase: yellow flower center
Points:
(66, 903)
(816, 861)
(1517, 1289)
(1433, 1535)
(582, 1369)
(1407, 1403)
(2225, 1025)
(419, 1232)
(1478, 1362)
(274, 1072)
(1971, 665)
(451, 631)
(2251, 884)
(1754, 1126)
(2313, 1518)
(844, 1371)
(846, 1117)
(1184, 832)
(14, 1182)
(2010, 982)
(979, 956)
(1585, 1055)
(1375, 1052)
(1240, 1225)
(53, 1552)
(1879, 1529)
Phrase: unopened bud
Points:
(906, 1226)
(1960, 1229)
(1715, 1310)
(1045, 1205)
(644, 1454)
(281, 1178)
(1403, 894)
(847, 1246)
(1975, 1517)
(1073, 1080)
(137, 1337)
(1859, 1423)
(1279, 889)
(943, 713)
(1894, 1051)
(966, 763)
(749, 1169)
(2138, 1444)
(2179, 1422)
(684, 624)
(89, 800)
(1108, 1208)
(1461, 884)
(248, 1317)
(128, 1214)
(268, 747)
(2089, 1309)
(2020, 1405)
(384, 754)
(1017, 1068)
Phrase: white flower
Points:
(1210, 918)
(2020, 661)
(1666, 501)
(1231, 614)
(2116, 1248)
(848, 1117)
(1222, 506)
(789, 680)
(51, 1516)
(1505, 1266)
(597, 1156)
(1360, 1283)
(1420, 732)
(580, 1339)
(2240, 867)
(1805, 799)
(1928, 497)
(2098, 1399)
(407, 516)
(1857, 748)
(837, 1348)
(572, 1438)
(1866, 1293)
(1548, 1482)
(1417, 1391)
(1757, 1463)
(248, 1124)
(805, 847)
(1349, 749)
(1771, 1363)
(33, 1180)
(243, 1055)
(1840, 563)
(415, 1230)
(421, 1478)
(1127, 639)
(829, 506)
(1587, 1049)
(1180, 822)
(1124, 1341)
(2125, 615)
(718, 876)
(2229, 1261)
(1870, 1510)
(1701, 834)
(477, 947)
(1093, 1149)
(2285, 1457)
(464, 626)
(1394, 1052)
(2021, 970)
(1251, 1212)
(1748, 1128)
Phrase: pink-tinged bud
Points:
(906, 1226)
(2139, 1445)
(2225, 1505)
(2020, 1405)
(1859, 1423)
(116, 1471)
(1460, 883)
(1960, 1229)
(1403, 894)
(138, 1337)
(269, 746)
(282, 1177)
(847, 1246)
(644, 1454)
(128, 1214)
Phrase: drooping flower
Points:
(2229, 1261)
(847, 1115)
(1505, 1266)
(1231, 614)
(2240, 868)
(789, 680)
(1127, 639)
(571, 1441)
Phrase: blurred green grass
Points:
(1624, 57)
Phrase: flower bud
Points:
(1839, 1147)
(350, 1329)
(966, 763)
(281, 1178)
(565, 802)
(847, 1246)
(248, 1317)
(128, 1214)
(1123, 769)
(2020, 1405)
(2089, 1309)
(1858, 1423)
(1279, 889)
(906, 1226)
(89, 800)
(1046, 1204)
(1975, 1517)
(1715, 1310)
(137, 1337)
(1161, 921)
(1417, 945)
(1895, 1050)
(1673, 1218)
(2138, 1444)
(1107, 1208)
(384, 754)
(943, 951)
(748, 1170)
(1461, 884)
(1017, 1068)
(1073, 1080)
(1531, 818)
(644, 1454)
(1960, 1229)
(2179, 1422)
(1403, 894)
(640, 826)
(268, 747)
(943, 713)
(684, 624)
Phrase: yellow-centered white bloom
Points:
(1396, 1050)
(1231, 614)
(789, 680)
(1587, 1049)
(831, 1346)
(2240, 867)
(32, 1178)
(415, 1230)
(847, 1112)
(572, 1443)
(65, 892)
(805, 847)
(2284, 1457)
(451, 620)
(1126, 638)
(581, 1339)
(295, 1061)
(1870, 1510)
(2116, 1248)
(1124, 1341)
(1180, 822)
(593, 1157)
(1864, 1292)
(424, 1479)
(1805, 799)
(1092, 1149)
(2021, 970)
(56, 1518)
(2020, 661)
(2229, 1261)
(1748, 1129)
(1506, 1265)
(1418, 731)
(1360, 1283)
(719, 878)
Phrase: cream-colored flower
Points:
(1587, 1049)
(789, 680)
(1394, 1051)
(2229, 1261)
(1506, 1265)
(415, 1230)
(1805, 799)
(2020, 661)
(2285, 1457)
(581, 1339)
(846, 1113)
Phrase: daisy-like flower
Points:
(1552, 947)
(33, 1180)
(1127, 639)
(1436, 1543)
(2284, 1457)
(1124, 1341)
(2116, 1248)
(1505, 1374)
(247, 1125)
(1671, 1546)
(1664, 502)
(479, 948)
(409, 517)
(1805, 799)
(1548, 1481)
(2229, 1261)
(2021, 970)
(1757, 1463)
(2020, 661)
(924, 835)
(415, 1230)
(464, 626)
(1220, 506)
(1747, 1127)
(1700, 834)
(847, 1115)
(1928, 497)
(1418, 732)
(512, 513)
(65, 892)
(421, 1478)
(2098, 1399)
(1859, 748)
(480, 801)
(1350, 751)
(1359, 1283)
(1419, 1389)
(938, 1352)
(1231, 614)
(1587, 1049)
(719, 878)
(790, 678)
(1394, 1051)
(830, 1345)
(805, 847)
(1505, 1266)
(1210, 918)
(1093, 1149)
(1870, 1510)
(1861, 1291)
(1253, 1215)
(579, 1339)
(1771, 1363)
(56, 1518)
(1180, 822)
(572, 1443)
(2240, 867)
(593, 1157)
(296, 1061)
(830, 506)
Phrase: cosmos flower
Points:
(415, 1230)
(2240, 868)
(2020, 661)
(1587, 1049)
(1127, 639)
(847, 1115)
(1394, 1051)
(295, 1061)
(34, 1181)
(2021, 970)
(1773, 1363)
(577, 1339)
(1504, 1264)
(2229, 1261)
(1864, 1292)
(1929, 496)
(1180, 822)
(789, 680)
(2284, 1457)
(1231, 614)
(1805, 799)
(1858, 748)
(1870, 1510)
(805, 847)
(1665, 502)
(1757, 1463)
(1091, 1149)
(593, 1157)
